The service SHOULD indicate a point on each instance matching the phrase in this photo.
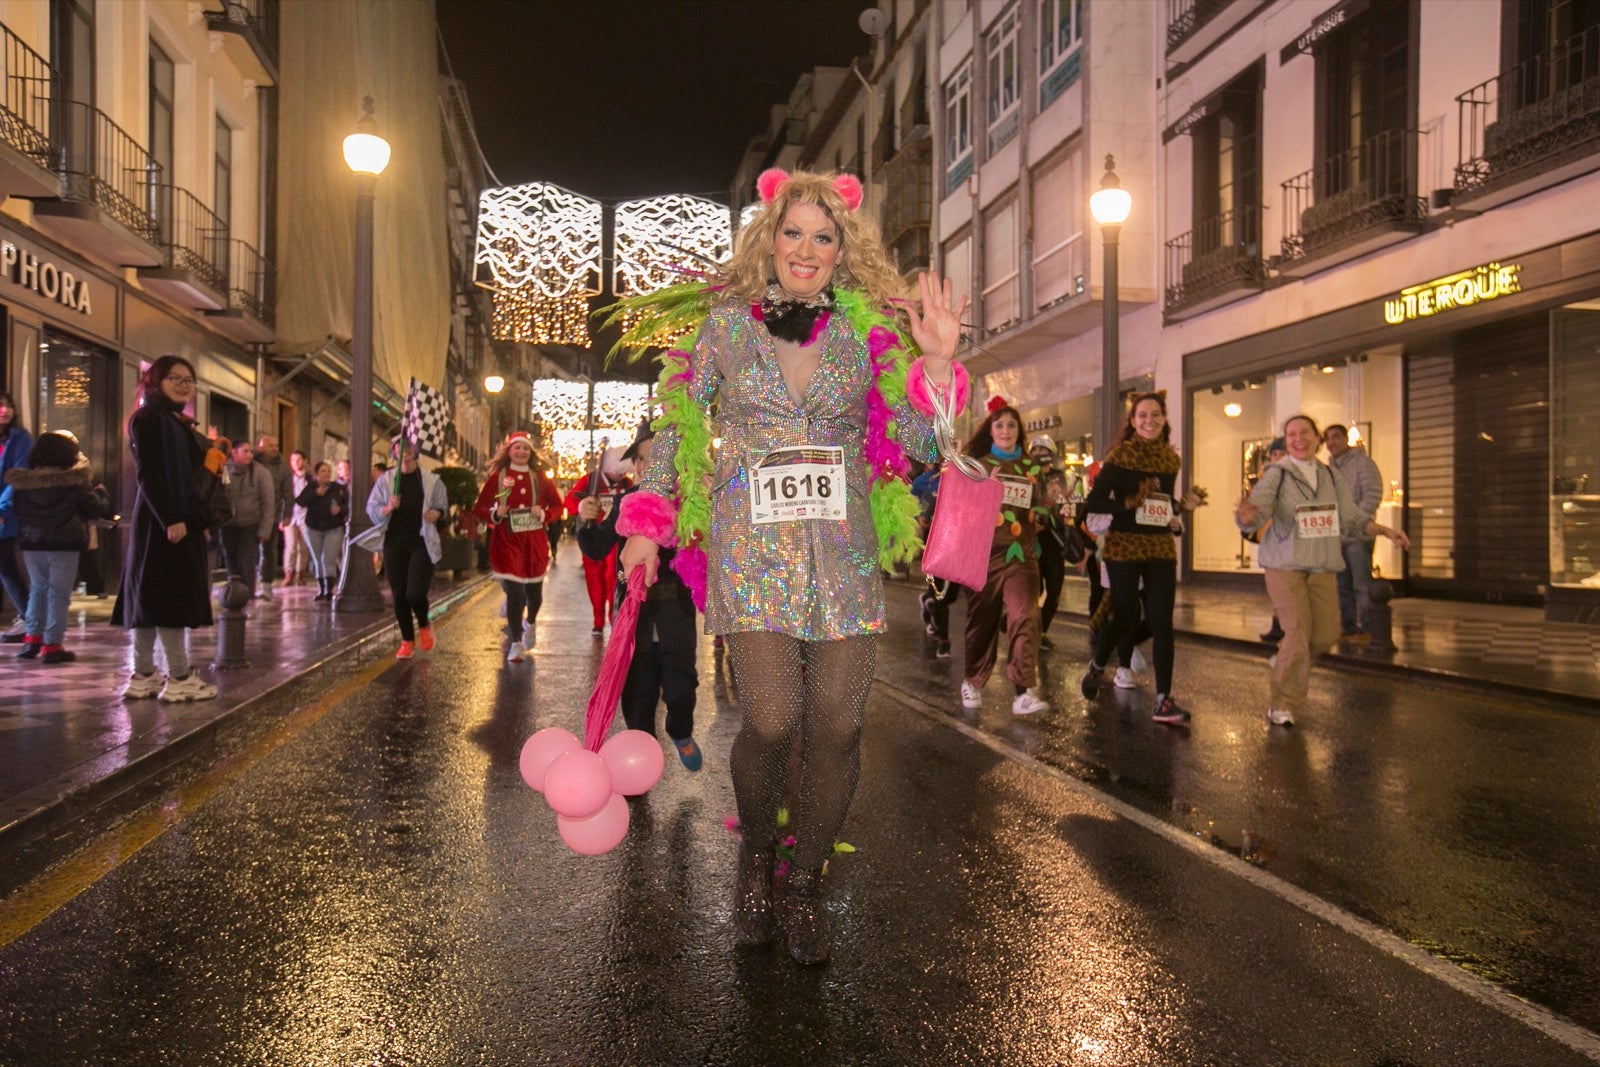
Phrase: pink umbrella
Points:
(614, 667)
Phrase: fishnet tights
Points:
(817, 689)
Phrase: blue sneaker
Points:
(688, 753)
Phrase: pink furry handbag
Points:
(962, 532)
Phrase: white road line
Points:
(1485, 992)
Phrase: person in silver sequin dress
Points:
(799, 600)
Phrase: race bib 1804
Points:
(1155, 510)
(803, 482)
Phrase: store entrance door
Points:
(79, 393)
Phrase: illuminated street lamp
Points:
(366, 154)
(1110, 206)
(492, 385)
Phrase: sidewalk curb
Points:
(1363, 665)
(78, 791)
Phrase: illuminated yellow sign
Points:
(1460, 290)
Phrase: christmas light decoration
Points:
(538, 251)
(618, 406)
(662, 240)
(748, 212)
(559, 404)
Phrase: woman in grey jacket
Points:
(1310, 508)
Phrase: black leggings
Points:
(520, 596)
(663, 669)
(410, 572)
(1053, 573)
(12, 576)
(1154, 582)
(818, 691)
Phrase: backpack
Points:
(212, 506)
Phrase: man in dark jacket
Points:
(254, 517)
(268, 459)
(663, 667)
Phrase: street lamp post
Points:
(366, 154)
(1110, 206)
(492, 385)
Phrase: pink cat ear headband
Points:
(771, 182)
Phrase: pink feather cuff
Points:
(917, 387)
(649, 515)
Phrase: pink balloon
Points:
(600, 832)
(539, 750)
(635, 760)
(578, 783)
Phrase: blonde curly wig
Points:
(863, 263)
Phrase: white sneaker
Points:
(530, 637)
(19, 628)
(1280, 717)
(1028, 702)
(179, 690)
(971, 696)
(1139, 661)
(514, 655)
(1125, 679)
(143, 686)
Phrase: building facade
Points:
(1378, 212)
(133, 151)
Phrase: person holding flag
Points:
(405, 506)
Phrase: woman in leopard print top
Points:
(1132, 509)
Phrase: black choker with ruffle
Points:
(793, 320)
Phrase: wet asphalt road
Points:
(373, 884)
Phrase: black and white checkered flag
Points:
(427, 414)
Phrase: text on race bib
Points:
(1155, 510)
(1317, 520)
(1018, 491)
(523, 520)
(803, 482)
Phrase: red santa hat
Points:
(519, 435)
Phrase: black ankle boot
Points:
(753, 920)
(324, 590)
(805, 919)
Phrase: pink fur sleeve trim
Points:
(917, 387)
(650, 515)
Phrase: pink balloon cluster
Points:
(585, 789)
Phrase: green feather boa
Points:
(677, 312)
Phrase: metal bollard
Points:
(232, 599)
(1380, 616)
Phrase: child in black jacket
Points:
(663, 667)
(52, 500)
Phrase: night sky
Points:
(622, 98)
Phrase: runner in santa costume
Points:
(599, 575)
(516, 502)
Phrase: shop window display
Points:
(1575, 447)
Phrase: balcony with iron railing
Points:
(908, 189)
(27, 154)
(193, 273)
(1531, 127)
(1195, 25)
(1352, 203)
(105, 204)
(249, 316)
(1217, 262)
(250, 36)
